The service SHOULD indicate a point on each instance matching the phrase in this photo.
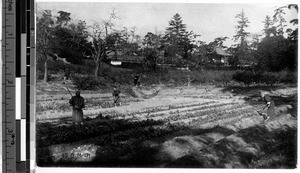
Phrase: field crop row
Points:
(221, 116)
(205, 110)
(184, 109)
(210, 114)
(210, 97)
(159, 111)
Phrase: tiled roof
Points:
(118, 56)
(219, 51)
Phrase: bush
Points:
(247, 77)
(151, 78)
(175, 76)
(290, 78)
(56, 66)
(212, 76)
(225, 78)
(270, 78)
(88, 82)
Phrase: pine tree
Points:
(268, 27)
(242, 25)
(279, 20)
(242, 53)
(177, 40)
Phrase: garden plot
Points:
(169, 128)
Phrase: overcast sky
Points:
(208, 20)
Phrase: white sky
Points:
(208, 20)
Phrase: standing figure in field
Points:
(136, 80)
(270, 105)
(116, 95)
(67, 74)
(77, 102)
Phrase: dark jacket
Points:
(77, 102)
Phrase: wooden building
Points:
(118, 59)
(219, 56)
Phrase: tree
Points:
(67, 47)
(242, 25)
(45, 41)
(271, 54)
(233, 61)
(292, 47)
(241, 52)
(254, 42)
(152, 45)
(277, 52)
(65, 31)
(98, 40)
(177, 40)
(279, 19)
(268, 27)
(131, 40)
(218, 42)
(63, 18)
(152, 40)
(293, 34)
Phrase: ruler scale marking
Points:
(18, 56)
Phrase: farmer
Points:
(77, 102)
(116, 96)
(67, 74)
(269, 104)
(136, 80)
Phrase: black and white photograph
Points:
(166, 85)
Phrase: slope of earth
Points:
(160, 126)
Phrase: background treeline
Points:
(70, 47)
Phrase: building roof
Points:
(219, 51)
(119, 56)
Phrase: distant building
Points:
(119, 59)
(219, 56)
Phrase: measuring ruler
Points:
(18, 74)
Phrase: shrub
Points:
(175, 76)
(225, 78)
(56, 66)
(151, 78)
(290, 78)
(270, 78)
(246, 77)
(198, 77)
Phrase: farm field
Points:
(160, 126)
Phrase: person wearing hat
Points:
(77, 102)
(269, 104)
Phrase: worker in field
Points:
(271, 112)
(77, 102)
(136, 80)
(67, 74)
(116, 95)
